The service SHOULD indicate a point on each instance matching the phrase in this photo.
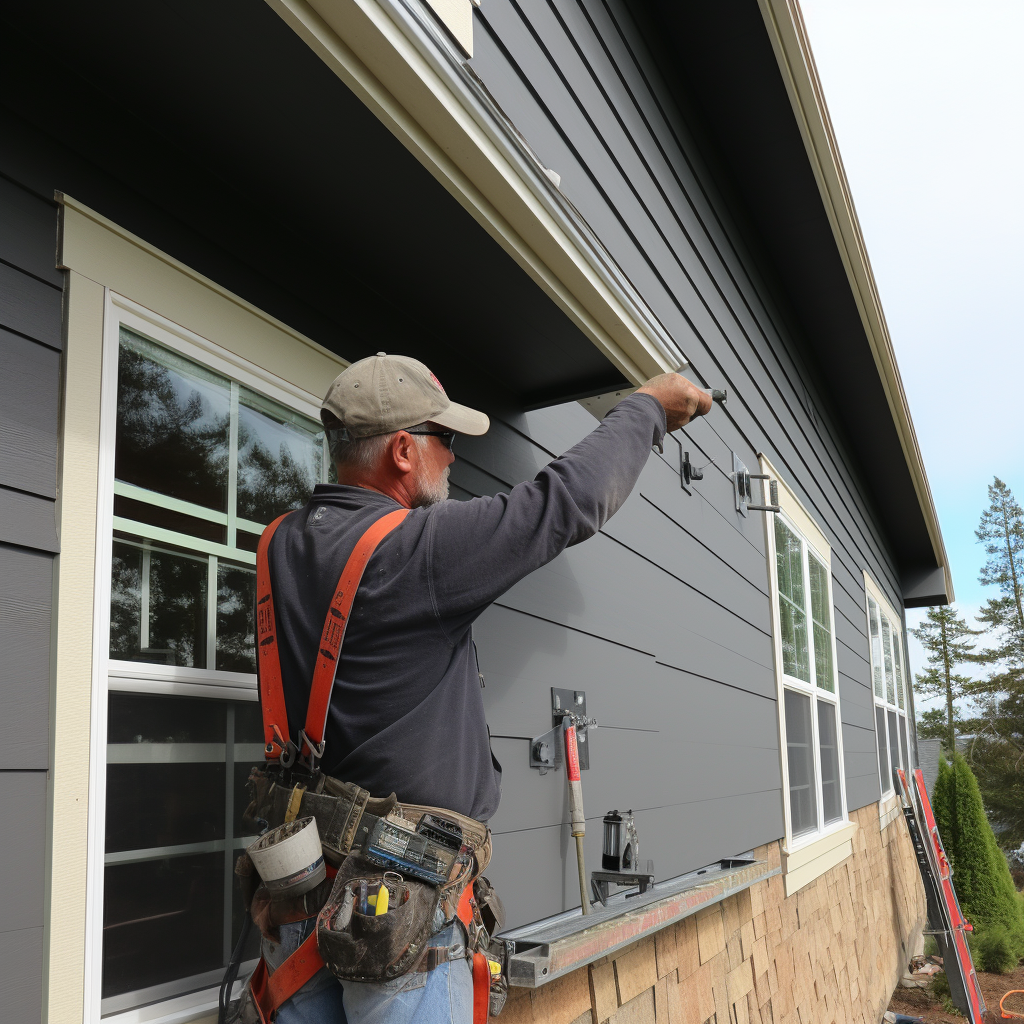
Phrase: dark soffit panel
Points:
(720, 59)
(282, 186)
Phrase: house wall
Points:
(833, 952)
(30, 355)
(580, 82)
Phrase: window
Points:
(885, 644)
(804, 597)
(206, 453)
(806, 665)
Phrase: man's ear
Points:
(401, 452)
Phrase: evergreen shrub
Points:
(981, 875)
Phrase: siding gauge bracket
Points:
(546, 749)
(743, 492)
(687, 471)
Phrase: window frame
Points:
(897, 629)
(801, 849)
(140, 677)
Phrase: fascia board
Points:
(402, 66)
(788, 35)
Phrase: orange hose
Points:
(1011, 1014)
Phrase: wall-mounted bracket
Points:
(688, 471)
(546, 749)
(743, 493)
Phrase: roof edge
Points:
(787, 31)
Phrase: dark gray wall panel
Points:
(21, 980)
(28, 414)
(23, 808)
(29, 306)
(29, 237)
(25, 609)
(27, 520)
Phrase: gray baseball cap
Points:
(382, 394)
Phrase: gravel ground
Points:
(921, 1003)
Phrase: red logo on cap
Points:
(439, 387)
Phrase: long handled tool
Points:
(579, 822)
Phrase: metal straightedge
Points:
(553, 948)
(743, 493)
(546, 749)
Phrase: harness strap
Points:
(271, 691)
(481, 967)
(279, 745)
(335, 626)
(270, 991)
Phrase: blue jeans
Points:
(441, 996)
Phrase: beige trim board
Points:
(106, 253)
(805, 864)
(788, 34)
(889, 809)
(407, 75)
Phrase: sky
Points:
(927, 102)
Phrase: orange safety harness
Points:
(269, 991)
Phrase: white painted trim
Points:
(889, 809)
(800, 519)
(802, 854)
(394, 57)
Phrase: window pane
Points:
(173, 420)
(280, 454)
(903, 743)
(236, 602)
(802, 797)
(876, 647)
(176, 770)
(894, 743)
(823, 673)
(792, 604)
(157, 604)
(828, 747)
(890, 691)
(884, 775)
(897, 664)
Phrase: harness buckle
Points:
(315, 752)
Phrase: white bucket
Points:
(289, 858)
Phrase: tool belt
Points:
(433, 856)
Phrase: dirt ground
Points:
(921, 1003)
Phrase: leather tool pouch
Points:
(366, 948)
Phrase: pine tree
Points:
(980, 872)
(1001, 530)
(946, 639)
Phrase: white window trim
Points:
(808, 856)
(889, 804)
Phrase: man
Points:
(406, 712)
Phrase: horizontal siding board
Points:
(28, 232)
(29, 389)
(25, 611)
(23, 809)
(28, 521)
(861, 791)
(30, 307)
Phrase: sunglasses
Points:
(447, 436)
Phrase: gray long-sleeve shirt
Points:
(406, 712)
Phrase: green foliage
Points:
(1001, 530)
(981, 874)
(996, 952)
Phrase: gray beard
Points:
(432, 494)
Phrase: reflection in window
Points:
(822, 619)
(202, 464)
(792, 616)
(828, 746)
(173, 423)
(176, 771)
(802, 799)
(889, 670)
(876, 647)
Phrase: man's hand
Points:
(682, 400)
